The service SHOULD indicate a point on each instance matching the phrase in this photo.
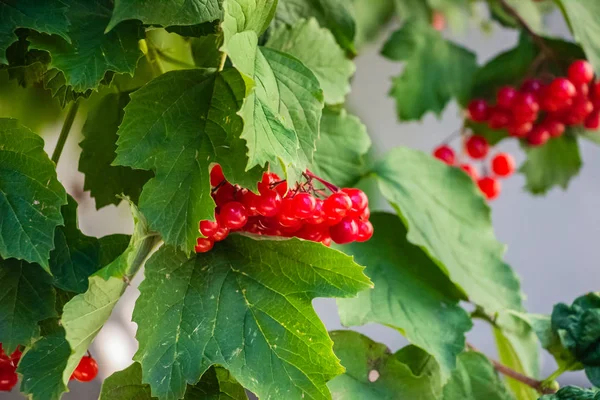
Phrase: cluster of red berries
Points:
(538, 111)
(302, 211)
(502, 165)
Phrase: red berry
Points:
(499, 119)
(505, 97)
(250, 200)
(318, 215)
(233, 215)
(470, 170)
(225, 194)
(525, 107)
(86, 370)
(581, 71)
(593, 120)
(208, 228)
(533, 86)
(220, 234)
(359, 200)
(478, 110)
(327, 241)
(268, 203)
(365, 231)
(538, 136)
(477, 146)
(281, 188)
(438, 21)
(561, 89)
(268, 179)
(15, 357)
(337, 205)
(582, 89)
(444, 153)
(8, 377)
(204, 244)
(555, 128)
(303, 205)
(344, 232)
(216, 175)
(287, 216)
(314, 233)
(365, 215)
(503, 164)
(490, 187)
(519, 129)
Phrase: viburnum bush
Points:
(222, 124)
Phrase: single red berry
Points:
(582, 89)
(533, 86)
(86, 370)
(337, 206)
(593, 120)
(490, 187)
(505, 97)
(503, 164)
(344, 232)
(216, 175)
(8, 377)
(581, 71)
(225, 194)
(478, 110)
(499, 119)
(233, 215)
(477, 146)
(519, 129)
(365, 231)
(525, 107)
(286, 216)
(204, 244)
(470, 170)
(359, 200)
(267, 180)
(550, 104)
(303, 205)
(538, 136)
(561, 89)
(208, 228)
(555, 128)
(250, 200)
(444, 153)
(314, 233)
(220, 234)
(318, 215)
(268, 203)
(438, 21)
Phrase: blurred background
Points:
(551, 240)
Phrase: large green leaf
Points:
(573, 393)
(46, 16)
(30, 195)
(104, 180)
(475, 379)
(177, 125)
(553, 164)
(216, 384)
(317, 49)
(373, 373)
(341, 148)
(411, 294)
(165, 13)
(92, 52)
(245, 305)
(550, 340)
(370, 16)
(335, 15)
(528, 10)
(581, 15)
(446, 216)
(26, 298)
(435, 70)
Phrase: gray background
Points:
(552, 241)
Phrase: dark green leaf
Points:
(317, 49)
(241, 307)
(334, 15)
(105, 181)
(126, 385)
(30, 195)
(435, 70)
(26, 298)
(553, 164)
(43, 16)
(550, 341)
(446, 216)
(370, 16)
(92, 52)
(528, 10)
(581, 16)
(411, 294)
(373, 373)
(165, 13)
(573, 393)
(177, 125)
(205, 50)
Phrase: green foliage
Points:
(411, 294)
(190, 309)
(573, 393)
(550, 341)
(30, 195)
(370, 17)
(580, 15)
(435, 71)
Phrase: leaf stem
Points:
(328, 185)
(511, 373)
(559, 371)
(223, 59)
(64, 132)
(539, 41)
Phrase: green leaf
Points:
(91, 53)
(447, 217)
(30, 195)
(435, 70)
(77, 256)
(341, 148)
(475, 379)
(370, 16)
(125, 385)
(528, 10)
(165, 13)
(366, 360)
(581, 16)
(26, 298)
(317, 49)
(241, 307)
(553, 164)
(46, 16)
(42, 367)
(192, 123)
(573, 393)
(105, 181)
(550, 341)
(205, 50)
(411, 294)
(335, 15)
(493, 136)
(416, 11)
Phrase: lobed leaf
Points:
(581, 16)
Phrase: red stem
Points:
(328, 185)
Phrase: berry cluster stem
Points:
(328, 185)
(64, 132)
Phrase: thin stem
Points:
(479, 313)
(559, 371)
(64, 132)
(536, 38)
(511, 373)
(328, 185)
(223, 59)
